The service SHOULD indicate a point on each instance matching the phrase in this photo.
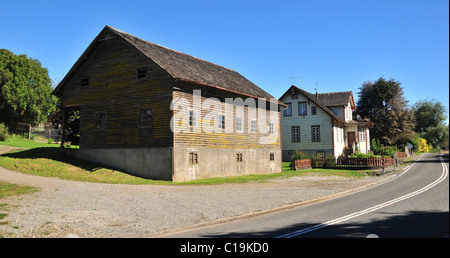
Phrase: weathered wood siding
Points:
(243, 139)
(113, 88)
(231, 152)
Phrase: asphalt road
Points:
(415, 203)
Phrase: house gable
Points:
(287, 96)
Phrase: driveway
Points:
(81, 209)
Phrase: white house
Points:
(321, 124)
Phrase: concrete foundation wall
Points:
(151, 163)
(218, 162)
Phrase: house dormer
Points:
(341, 103)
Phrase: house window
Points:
(315, 133)
(362, 134)
(302, 109)
(294, 95)
(313, 110)
(339, 134)
(272, 157)
(146, 117)
(239, 124)
(100, 120)
(193, 158)
(239, 157)
(222, 122)
(84, 82)
(253, 126)
(142, 73)
(192, 118)
(295, 130)
(320, 154)
(288, 110)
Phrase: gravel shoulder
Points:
(81, 209)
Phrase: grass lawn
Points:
(43, 159)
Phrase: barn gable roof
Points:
(178, 65)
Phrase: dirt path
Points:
(67, 208)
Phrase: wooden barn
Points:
(128, 92)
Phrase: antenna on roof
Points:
(317, 93)
(293, 72)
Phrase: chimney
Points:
(317, 95)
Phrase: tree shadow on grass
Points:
(53, 154)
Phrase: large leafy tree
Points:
(430, 117)
(25, 89)
(382, 101)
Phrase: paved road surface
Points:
(415, 203)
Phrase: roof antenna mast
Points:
(293, 72)
(317, 92)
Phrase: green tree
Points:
(430, 117)
(25, 89)
(428, 114)
(383, 103)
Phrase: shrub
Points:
(389, 151)
(423, 146)
(3, 132)
(50, 140)
(300, 155)
(376, 146)
(358, 154)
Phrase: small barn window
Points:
(221, 122)
(193, 158)
(100, 120)
(239, 157)
(270, 128)
(238, 124)
(146, 117)
(253, 126)
(272, 157)
(192, 118)
(84, 82)
(141, 73)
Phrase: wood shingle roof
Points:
(181, 66)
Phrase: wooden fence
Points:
(349, 163)
(29, 131)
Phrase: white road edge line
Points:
(374, 208)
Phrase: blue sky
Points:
(329, 44)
